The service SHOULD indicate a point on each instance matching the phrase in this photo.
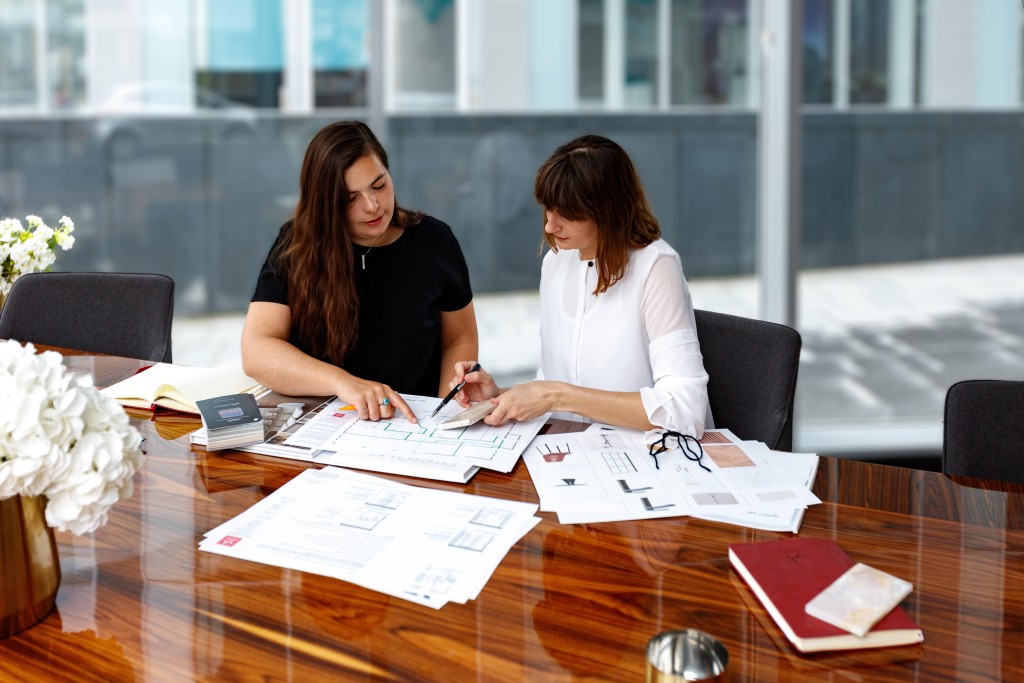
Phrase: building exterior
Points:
(302, 56)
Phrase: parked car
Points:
(150, 112)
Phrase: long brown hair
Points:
(592, 178)
(316, 252)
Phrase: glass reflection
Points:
(709, 52)
(818, 51)
(618, 606)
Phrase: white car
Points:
(139, 113)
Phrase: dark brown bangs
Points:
(561, 186)
(592, 178)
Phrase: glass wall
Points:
(710, 52)
(173, 132)
(424, 28)
(19, 77)
(42, 45)
(76, 55)
(240, 52)
(818, 51)
(590, 55)
(65, 48)
(870, 31)
(641, 67)
(341, 56)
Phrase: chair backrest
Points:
(983, 431)
(122, 314)
(752, 367)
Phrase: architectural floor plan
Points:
(422, 449)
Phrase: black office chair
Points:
(122, 314)
(983, 431)
(752, 367)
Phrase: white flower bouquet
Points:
(31, 249)
(62, 439)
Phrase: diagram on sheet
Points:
(468, 539)
(362, 519)
(435, 579)
(479, 445)
(491, 517)
(600, 468)
(618, 462)
(554, 452)
(476, 442)
(607, 475)
(389, 500)
(626, 488)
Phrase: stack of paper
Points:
(333, 434)
(607, 474)
(427, 546)
(283, 417)
(398, 446)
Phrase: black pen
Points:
(455, 390)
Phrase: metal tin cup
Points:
(690, 655)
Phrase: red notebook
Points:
(786, 574)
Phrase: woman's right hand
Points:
(373, 400)
(480, 386)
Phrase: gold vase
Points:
(29, 564)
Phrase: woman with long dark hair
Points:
(618, 336)
(359, 297)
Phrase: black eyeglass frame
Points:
(683, 442)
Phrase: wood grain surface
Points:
(570, 602)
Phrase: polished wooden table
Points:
(139, 601)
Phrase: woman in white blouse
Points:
(618, 338)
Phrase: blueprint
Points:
(401, 447)
(427, 546)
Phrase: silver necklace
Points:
(362, 256)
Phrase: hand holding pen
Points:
(471, 384)
(455, 389)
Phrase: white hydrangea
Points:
(31, 249)
(63, 439)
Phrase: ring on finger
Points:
(385, 401)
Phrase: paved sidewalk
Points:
(881, 344)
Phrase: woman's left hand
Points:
(523, 402)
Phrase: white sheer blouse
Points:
(640, 335)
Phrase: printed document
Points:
(401, 447)
(801, 467)
(424, 545)
(329, 432)
(608, 474)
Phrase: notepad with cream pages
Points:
(178, 387)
